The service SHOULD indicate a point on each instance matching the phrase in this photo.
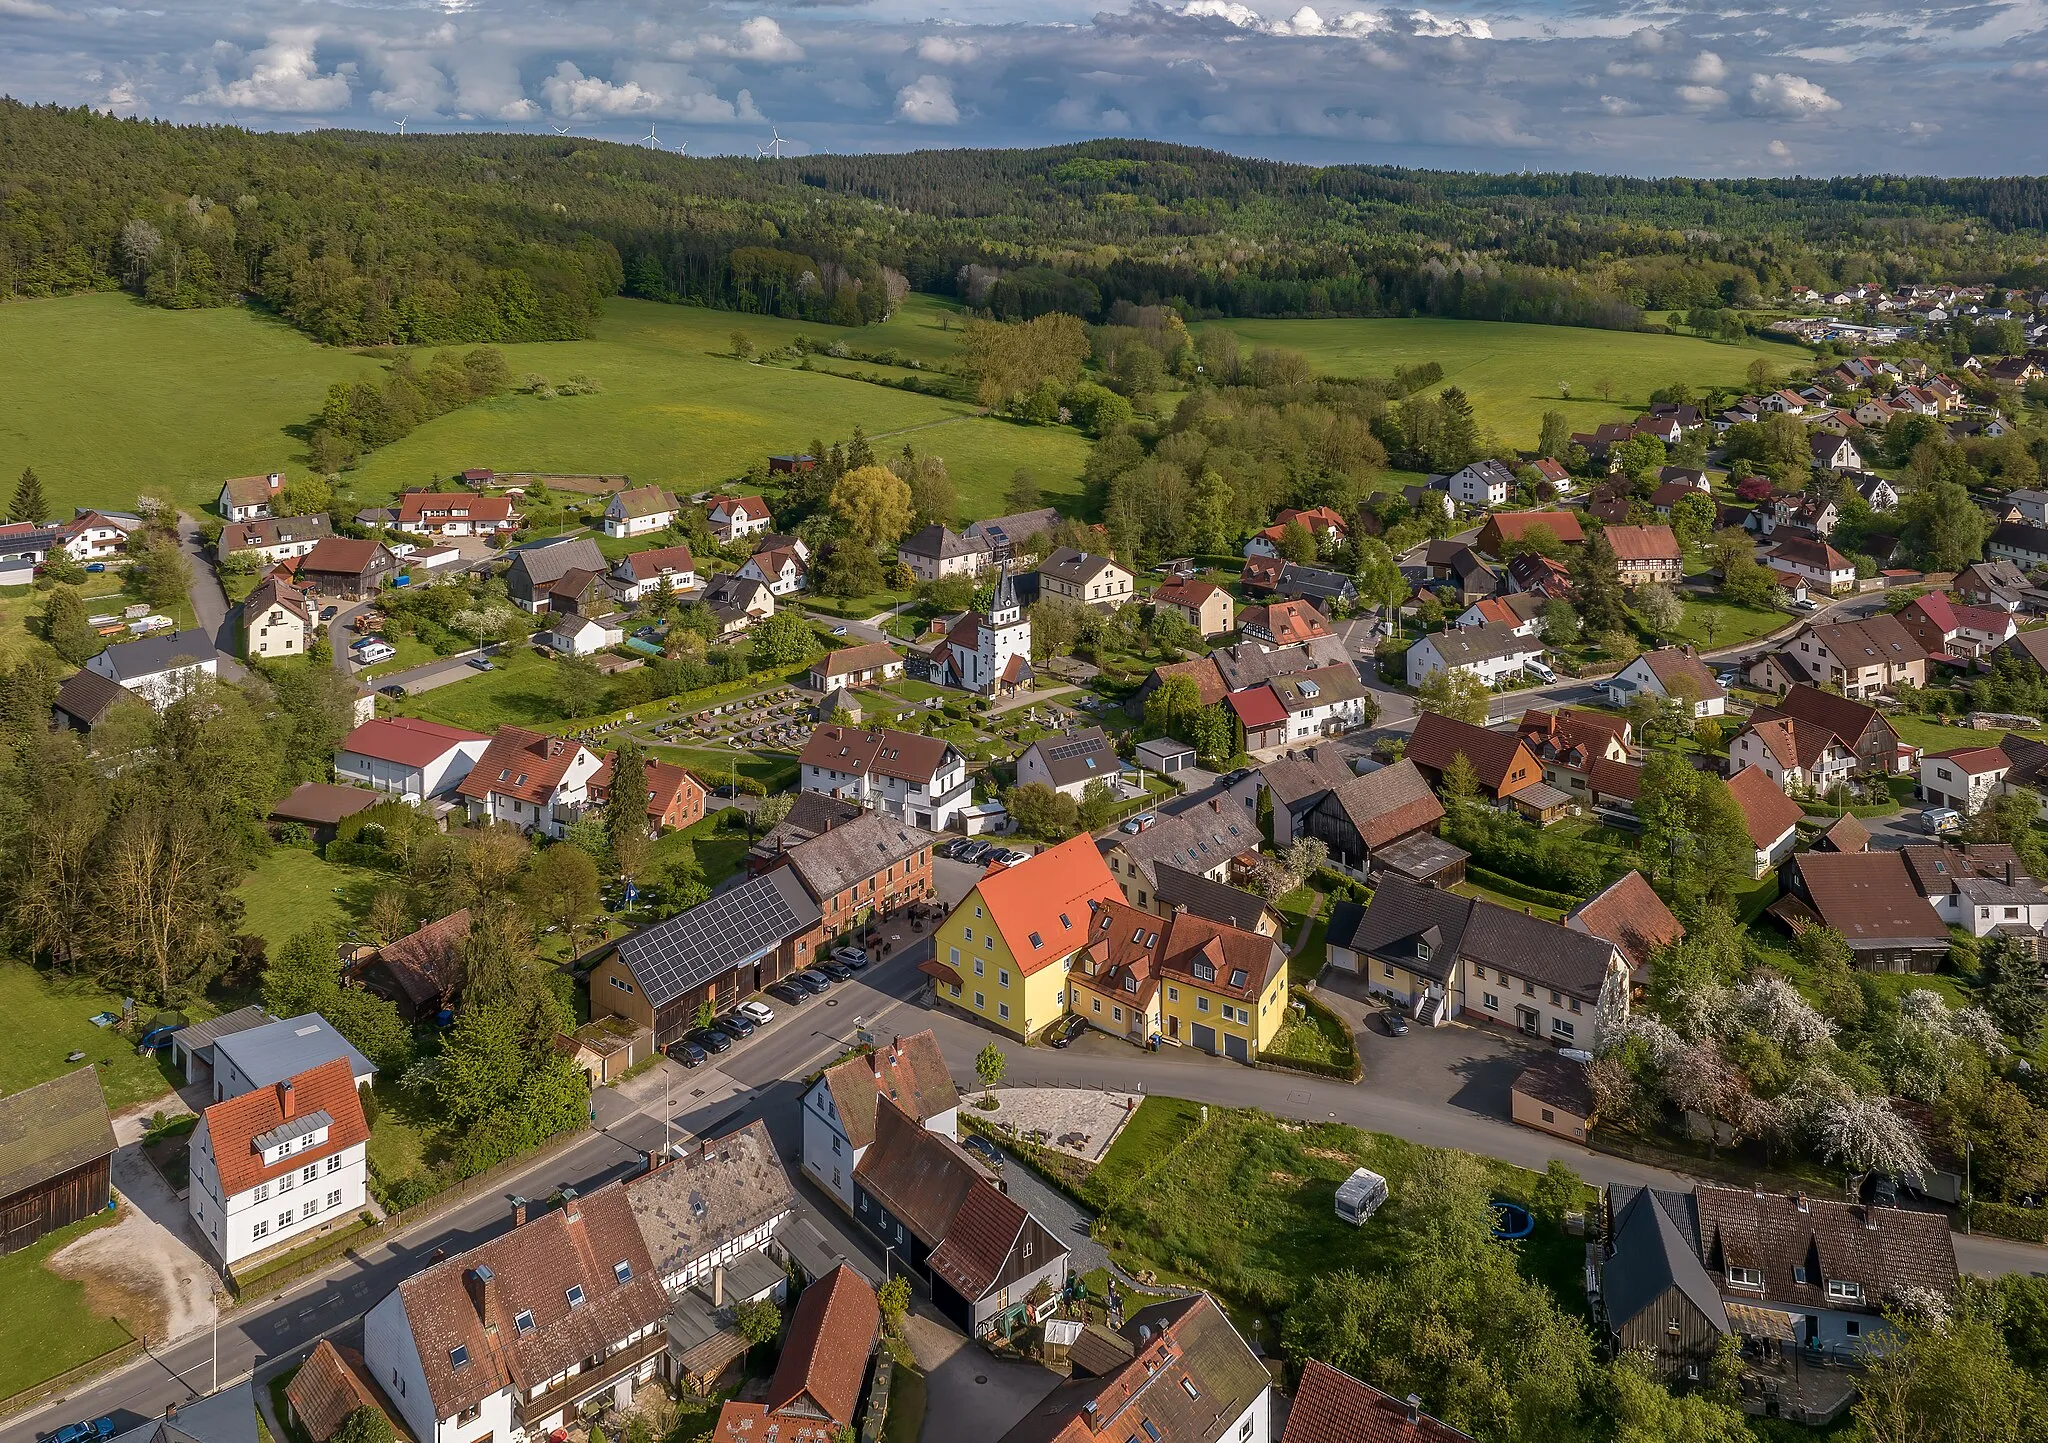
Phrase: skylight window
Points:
(522, 1322)
(458, 1356)
(1037, 941)
(575, 1295)
(1237, 976)
(623, 1271)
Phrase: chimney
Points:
(483, 1291)
(571, 1212)
(171, 1413)
(1414, 1407)
(284, 1098)
(718, 1286)
(1870, 1219)
(518, 1211)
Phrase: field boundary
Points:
(49, 1388)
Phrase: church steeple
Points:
(1003, 611)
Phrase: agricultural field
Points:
(1512, 372)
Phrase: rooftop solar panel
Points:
(733, 928)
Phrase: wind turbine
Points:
(400, 123)
(774, 145)
(651, 138)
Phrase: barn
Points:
(56, 1146)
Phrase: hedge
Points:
(2026, 1225)
(1521, 891)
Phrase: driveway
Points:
(209, 602)
(1063, 1217)
(150, 1269)
(969, 1393)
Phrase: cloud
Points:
(928, 100)
(1707, 68)
(1790, 95)
(1702, 97)
(283, 76)
(943, 50)
(759, 39)
(570, 92)
(1780, 152)
(30, 10)
(1307, 21)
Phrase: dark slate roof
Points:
(1216, 901)
(150, 655)
(51, 1128)
(734, 927)
(1655, 1247)
(548, 563)
(88, 696)
(1082, 754)
(1404, 915)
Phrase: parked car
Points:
(983, 1150)
(1066, 1031)
(790, 992)
(1395, 1024)
(481, 663)
(1011, 855)
(758, 1013)
(956, 848)
(837, 971)
(839, 631)
(1726, 676)
(711, 1039)
(812, 981)
(393, 690)
(686, 1052)
(854, 957)
(82, 1432)
(736, 1024)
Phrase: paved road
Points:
(209, 602)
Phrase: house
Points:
(1692, 478)
(1069, 762)
(278, 620)
(94, 535)
(1770, 817)
(1584, 755)
(1863, 729)
(1793, 753)
(1490, 653)
(2032, 505)
(1966, 778)
(1979, 888)
(819, 1373)
(1296, 782)
(1482, 484)
(937, 552)
(1016, 537)
(869, 664)
(410, 758)
(1324, 701)
(1206, 606)
(840, 1106)
(1681, 1271)
(1283, 624)
(272, 538)
(1329, 590)
(1442, 956)
(987, 654)
(1833, 453)
(642, 574)
(280, 1163)
(782, 569)
(1520, 613)
(1322, 522)
(639, 510)
(988, 1262)
(1543, 577)
(345, 567)
(1458, 564)
(1247, 664)
(1422, 499)
(1645, 553)
(738, 602)
(331, 1384)
(1331, 1406)
(160, 668)
(921, 780)
(244, 498)
(721, 950)
(555, 575)
(84, 700)
(1675, 673)
(537, 783)
(422, 971)
(1553, 1095)
(1002, 955)
(870, 866)
(1946, 629)
(2017, 542)
(1869, 898)
(1797, 516)
(1814, 562)
(572, 633)
(1860, 658)
(1176, 890)
(734, 518)
(270, 1050)
(521, 1332)
(1504, 764)
(1878, 493)
(1507, 528)
(675, 798)
(1360, 815)
(455, 513)
(1630, 914)
(1176, 1369)
(56, 1151)
(1085, 579)
(1209, 840)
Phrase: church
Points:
(987, 654)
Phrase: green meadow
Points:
(1512, 372)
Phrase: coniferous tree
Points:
(29, 504)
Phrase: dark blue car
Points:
(84, 1431)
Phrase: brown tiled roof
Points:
(1389, 803)
(1883, 1249)
(921, 1177)
(1229, 952)
(664, 781)
(876, 751)
(1631, 916)
(848, 855)
(1845, 718)
(647, 565)
(274, 591)
(1847, 834)
(88, 696)
(414, 505)
(1439, 739)
(1558, 1081)
(340, 556)
(866, 657)
(51, 1128)
(331, 1384)
(910, 1070)
(1643, 543)
(720, 1190)
(248, 490)
(522, 764)
(1288, 623)
(233, 1126)
(325, 803)
(825, 1356)
(1868, 897)
(1673, 662)
(1792, 742)
(532, 1268)
(1202, 671)
(1766, 810)
(1874, 639)
(642, 501)
(978, 1242)
(1334, 1407)
(428, 963)
(1306, 773)
(1188, 593)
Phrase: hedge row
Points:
(2026, 1225)
(1521, 891)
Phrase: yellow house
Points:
(1004, 953)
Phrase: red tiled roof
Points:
(1643, 543)
(647, 565)
(1190, 594)
(1496, 756)
(427, 964)
(978, 1241)
(232, 1126)
(1766, 811)
(1289, 623)
(1258, 707)
(1047, 894)
(1514, 525)
(1974, 760)
(910, 1070)
(825, 1356)
(1333, 1407)
(519, 763)
(414, 505)
(331, 1384)
(1631, 916)
(405, 741)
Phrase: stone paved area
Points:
(1080, 1121)
(1060, 1214)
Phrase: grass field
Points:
(292, 889)
(203, 395)
(48, 1018)
(1938, 738)
(1511, 372)
(520, 690)
(46, 1326)
(719, 852)
(1731, 624)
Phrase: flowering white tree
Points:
(1930, 1046)
(1773, 1008)
(1864, 1135)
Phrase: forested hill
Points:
(372, 239)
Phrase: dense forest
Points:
(376, 239)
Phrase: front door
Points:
(1236, 1048)
(1530, 1020)
(1173, 1027)
(1205, 1038)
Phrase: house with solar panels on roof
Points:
(719, 951)
(1069, 762)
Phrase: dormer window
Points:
(1422, 951)
(1845, 1292)
(1745, 1277)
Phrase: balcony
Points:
(578, 1388)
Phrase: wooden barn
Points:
(56, 1148)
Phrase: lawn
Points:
(1712, 625)
(1307, 964)
(293, 889)
(46, 1327)
(1317, 1036)
(1511, 372)
(776, 771)
(519, 691)
(1936, 737)
(719, 852)
(48, 1018)
(1513, 904)
(411, 651)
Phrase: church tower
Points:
(1003, 659)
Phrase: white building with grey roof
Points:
(159, 669)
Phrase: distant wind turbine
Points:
(774, 146)
(400, 123)
(651, 138)
(560, 129)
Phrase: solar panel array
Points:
(1061, 751)
(733, 928)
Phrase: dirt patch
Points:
(114, 1286)
(1282, 1179)
(144, 1269)
(1329, 1154)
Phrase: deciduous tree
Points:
(873, 505)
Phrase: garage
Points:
(1236, 1048)
(1205, 1038)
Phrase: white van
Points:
(1538, 670)
(1940, 821)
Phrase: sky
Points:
(1639, 87)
